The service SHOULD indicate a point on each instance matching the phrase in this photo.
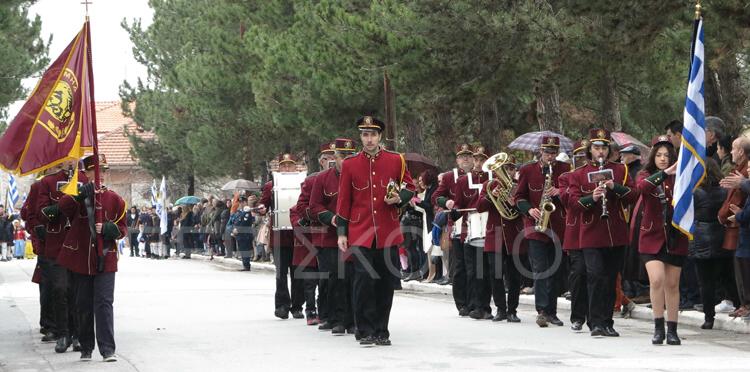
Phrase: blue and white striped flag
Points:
(154, 198)
(691, 162)
(12, 194)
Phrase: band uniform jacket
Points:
(510, 231)
(468, 187)
(299, 215)
(29, 213)
(361, 211)
(653, 231)
(277, 238)
(79, 251)
(446, 190)
(529, 193)
(596, 232)
(50, 194)
(570, 240)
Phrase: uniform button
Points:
(373, 173)
(376, 212)
(374, 198)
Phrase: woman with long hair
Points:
(662, 247)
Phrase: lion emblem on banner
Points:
(58, 116)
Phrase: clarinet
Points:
(605, 212)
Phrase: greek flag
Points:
(154, 198)
(161, 206)
(691, 166)
(12, 194)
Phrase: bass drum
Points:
(287, 187)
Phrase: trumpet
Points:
(605, 212)
(500, 189)
(546, 206)
(392, 189)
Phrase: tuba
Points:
(503, 184)
(546, 206)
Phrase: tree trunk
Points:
(247, 164)
(191, 184)
(548, 114)
(610, 104)
(724, 95)
(414, 135)
(445, 137)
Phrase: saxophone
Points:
(546, 206)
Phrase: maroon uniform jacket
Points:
(446, 190)
(653, 231)
(304, 252)
(362, 213)
(285, 237)
(500, 232)
(29, 213)
(323, 207)
(595, 232)
(78, 254)
(570, 241)
(467, 193)
(50, 195)
(529, 195)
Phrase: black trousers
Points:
(94, 301)
(134, 244)
(491, 282)
(376, 276)
(46, 304)
(304, 292)
(335, 288)
(473, 261)
(542, 256)
(742, 277)
(714, 274)
(689, 287)
(602, 267)
(458, 272)
(579, 297)
(282, 258)
(63, 297)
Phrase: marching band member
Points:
(579, 304)
(537, 198)
(600, 191)
(367, 219)
(502, 252)
(282, 243)
(339, 317)
(662, 247)
(444, 197)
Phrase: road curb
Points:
(690, 318)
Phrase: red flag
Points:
(56, 122)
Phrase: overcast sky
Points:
(112, 50)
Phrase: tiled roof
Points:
(113, 129)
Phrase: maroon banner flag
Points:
(56, 122)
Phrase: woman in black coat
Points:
(713, 263)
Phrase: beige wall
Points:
(132, 184)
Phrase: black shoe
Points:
(501, 315)
(368, 340)
(577, 326)
(49, 337)
(659, 336)
(281, 313)
(477, 314)
(383, 341)
(598, 331)
(351, 330)
(708, 324)
(553, 319)
(244, 269)
(443, 281)
(338, 330)
(85, 355)
(297, 314)
(63, 343)
(513, 318)
(672, 338)
(44, 331)
(610, 332)
(325, 326)
(463, 312)
(541, 320)
(76, 345)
